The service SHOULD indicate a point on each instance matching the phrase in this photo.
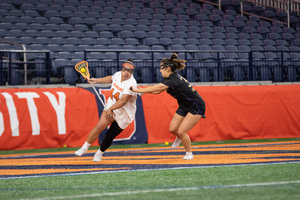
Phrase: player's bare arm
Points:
(106, 79)
(120, 103)
(155, 89)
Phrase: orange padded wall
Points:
(232, 112)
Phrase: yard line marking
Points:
(167, 190)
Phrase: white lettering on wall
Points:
(59, 108)
(29, 96)
(58, 105)
(12, 111)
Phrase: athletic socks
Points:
(83, 149)
(98, 156)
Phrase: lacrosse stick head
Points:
(83, 68)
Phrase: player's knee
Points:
(173, 130)
(181, 133)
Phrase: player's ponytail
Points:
(177, 64)
(174, 63)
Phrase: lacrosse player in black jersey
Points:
(191, 106)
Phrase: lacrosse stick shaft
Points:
(98, 96)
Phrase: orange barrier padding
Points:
(232, 112)
(34, 118)
(46, 117)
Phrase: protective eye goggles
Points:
(127, 69)
(163, 66)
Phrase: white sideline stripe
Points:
(141, 170)
(167, 190)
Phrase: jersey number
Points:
(114, 96)
(190, 86)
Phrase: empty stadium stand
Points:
(235, 41)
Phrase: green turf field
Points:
(271, 181)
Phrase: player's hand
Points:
(134, 89)
(92, 80)
(109, 113)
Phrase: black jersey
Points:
(182, 91)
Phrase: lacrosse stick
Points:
(83, 69)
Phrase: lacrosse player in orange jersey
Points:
(121, 108)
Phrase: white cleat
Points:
(97, 156)
(188, 156)
(80, 151)
(176, 143)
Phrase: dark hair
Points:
(174, 63)
(128, 61)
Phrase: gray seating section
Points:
(67, 28)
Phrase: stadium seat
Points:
(106, 34)
(126, 34)
(155, 28)
(70, 48)
(229, 17)
(132, 41)
(154, 34)
(157, 47)
(240, 25)
(263, 31)
(268, 42)
(117, 41)
(204, 55)
(244, 52)
(205, 41)
(219, 35)
(167, 34)
(202, 17)
(47, 33)
(130, 26)
(194, 35)
(126, 55)
(215, 19)
(140, 35)
(181, 41)
(196, 29)
(233, 54)
(52, 27)
(32, 33)
(244, 42)
(192, 41)
(250, 29)
(243, 36)
(289, 37)
(257, 42)
(166, 42)
(219, 54)
(218, 41)
(142, 56)
(58, 40)
(231, 42)
(206, 35)
(281, 42)
(177, 47)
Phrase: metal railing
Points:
(214, 68)
(23, 67)
(201, 66)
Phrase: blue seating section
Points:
(67, 27)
